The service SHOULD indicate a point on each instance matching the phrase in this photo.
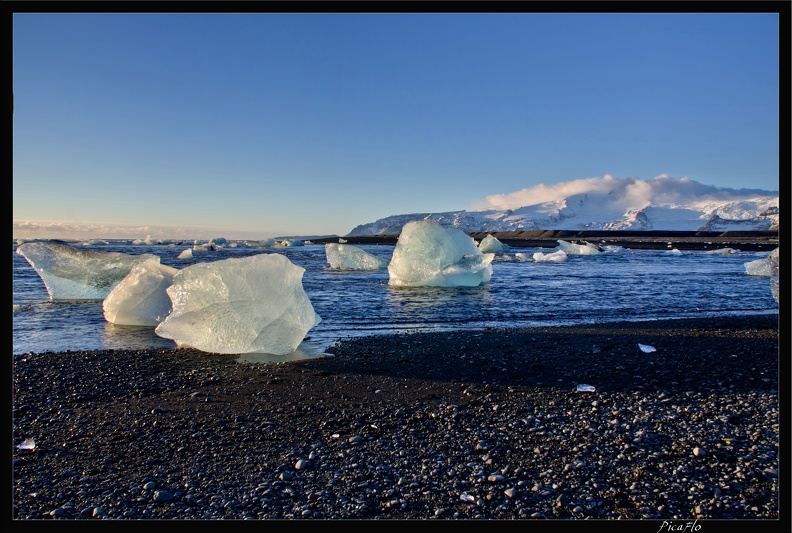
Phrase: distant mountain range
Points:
(608, 203)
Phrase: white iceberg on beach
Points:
(427, 254)
(73, 274)
(253, 304)
(140, 299)
(348, 257)
(578, 249)
(491, 244)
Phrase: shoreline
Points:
(484, 424)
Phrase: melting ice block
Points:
(558, 256)
(761, 267)
(253, 304)
(491, 244)
(140, 299)
(773, 260)
(348, 257)
(430, 255)
(578, 249)
(73, 274)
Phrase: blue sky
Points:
(258, 125)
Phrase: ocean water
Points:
(618, 284)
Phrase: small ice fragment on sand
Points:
(646, 348)
(585, 388)
(27, 444)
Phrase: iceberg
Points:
(773, 260)
(761, 267)
(429, 255)
(722, 251)
(140, 299)
(73, 274)
(578, 249)
(558, 256)
(348, 257)
(491, 244)
(185, 254)
(253, 304)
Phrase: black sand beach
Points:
(467, 425)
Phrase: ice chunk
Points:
(253, 304)
(555, 257)
(427, 254)
(491, 244)
(578, 249)
(722, 251)
(761, 267)
(583, 387)
(186, 254)
(645, 348)
(141, 298)
(292, 242)
(673, 251)
(73, 274)
(348, 257)
(773, 260)
(522, 256)
(27, 444)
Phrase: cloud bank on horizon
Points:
(626, 193)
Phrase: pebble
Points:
(324, 446)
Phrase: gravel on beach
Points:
(679, 421)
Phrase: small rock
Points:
(162, 496)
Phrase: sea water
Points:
(618, 284)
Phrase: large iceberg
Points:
(348, 257)
(70, 273)
(253, 304)
(427, 254)
(491, 244)
(578, 249)
(141, 298)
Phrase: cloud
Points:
(627, 192)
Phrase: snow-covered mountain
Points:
(607, 203)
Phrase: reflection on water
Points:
(118, 337)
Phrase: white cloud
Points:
(625, 192)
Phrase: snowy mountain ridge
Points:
(611, 204)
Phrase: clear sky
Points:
(259, 125)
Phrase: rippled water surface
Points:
(617, 284)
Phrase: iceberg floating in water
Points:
(140, 299)
(491, 244)
(427, 254)
(578, 249)
(185, 254)
(773, 260)
(761, 267)
(348, 257)
(253, 304)
(73, 274)
(722, 251)
(558, 256)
